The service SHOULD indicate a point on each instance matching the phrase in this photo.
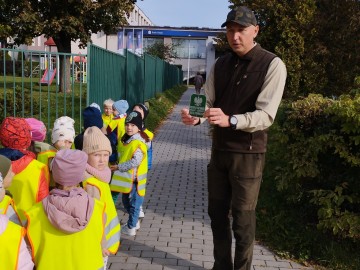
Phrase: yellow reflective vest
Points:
(149, 134)
(112, 226)
(9, 252)
(107, 119)
(123, 181)
(45, 157)
(118, 123)
(25, 187)
(7, 207)
(57, 250)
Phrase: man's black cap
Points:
(241, 15)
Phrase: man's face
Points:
(241, 38)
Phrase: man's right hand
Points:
(187, 119)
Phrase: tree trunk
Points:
(63, 45)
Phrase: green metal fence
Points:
(30, 81)
(131, 77)
(30, 85)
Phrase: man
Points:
(198, 81)
(243, 90)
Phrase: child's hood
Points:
(136, 136)
(69, 211)
(19, 160)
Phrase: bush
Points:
(21, 106)
(321, 161)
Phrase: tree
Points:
(166, 52)
(65, 21)
(317, 39)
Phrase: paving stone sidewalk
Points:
(175, 233)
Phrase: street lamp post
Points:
(188, 64)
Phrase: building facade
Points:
(194, 46)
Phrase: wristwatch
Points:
(233, 121)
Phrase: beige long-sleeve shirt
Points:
(266, 104)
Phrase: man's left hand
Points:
(216, 116)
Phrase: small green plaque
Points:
(197, 105)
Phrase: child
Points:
(96, 183)
(66, 229)
(92, 118)
(38, 130)
(7, 205)
(131, 172)
(115, 131)
(117, 125)
(144, 111)
(31, 181)
(63, 133)
(107, 116)
(95, 105)
(43, 151)
(14, 254)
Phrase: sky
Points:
(178, 13)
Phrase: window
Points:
(196, 48)
(151, 41)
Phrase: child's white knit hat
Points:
(63, 129)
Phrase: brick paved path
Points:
(175, 233)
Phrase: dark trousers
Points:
(233, 181)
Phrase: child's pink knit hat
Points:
(68, 167)
(38, 129)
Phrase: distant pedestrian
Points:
(198, 82)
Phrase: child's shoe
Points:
(127, 231)
(137, 225)
(141, 213)
(132, 232)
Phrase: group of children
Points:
(57, 201)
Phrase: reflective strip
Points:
(11, 214)
(122, 174)
(142, 177)
(121, 184)
(24, 222)
(113, 223)
(113, 239)
(142, 186)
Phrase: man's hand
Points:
(216, 116)
(187, 119)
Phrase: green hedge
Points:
(318, 140)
